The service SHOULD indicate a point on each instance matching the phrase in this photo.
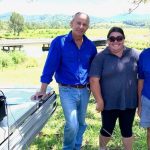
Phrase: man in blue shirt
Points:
(144, 91)
(69, 58)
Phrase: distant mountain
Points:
(64, 19)
(5, 16)
(126, 17)
(47, 18)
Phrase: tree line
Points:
(16, 23)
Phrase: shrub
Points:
(18, 57)
(5, 59)
(31, 62)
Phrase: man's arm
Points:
(140, 87)
(96, 91)
(43, 87)
(41, 93)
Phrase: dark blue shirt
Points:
(144, 71)
(118, 78)
(69, 63)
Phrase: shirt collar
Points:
(70, 37)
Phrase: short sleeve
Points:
(96, 66)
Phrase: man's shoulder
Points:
(87, 39)
(146, 50)
(145, 54)
(60, 37)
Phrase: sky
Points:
(99, 8)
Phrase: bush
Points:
(5, 59)
(9, 59)
(18, 57)
(31, 62)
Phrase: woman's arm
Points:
(96, 91)
(140, 87)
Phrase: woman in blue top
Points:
(144, 91)
(113, 81)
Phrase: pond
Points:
(34, 50)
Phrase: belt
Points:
(79, 86)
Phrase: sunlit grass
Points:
(51, 136)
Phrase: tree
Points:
(136, 4)
(16, 23)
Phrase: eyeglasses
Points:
(113, 39)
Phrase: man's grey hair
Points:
(79, 13)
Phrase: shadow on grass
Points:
(51, 136)
(89, 147)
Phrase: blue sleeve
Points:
(94, 52)
(52, 61)
(140, 67)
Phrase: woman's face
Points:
(115, 42)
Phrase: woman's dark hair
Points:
(116, 29)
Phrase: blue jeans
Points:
(145, 117)
(74, 103)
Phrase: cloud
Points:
(92, 7)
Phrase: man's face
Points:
(79, 25)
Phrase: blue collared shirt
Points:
(69, 63)
(144, 71)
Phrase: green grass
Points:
(51, 136)
(135, 37)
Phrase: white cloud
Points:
(92, 7)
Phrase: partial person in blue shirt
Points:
(69, 58)
(144, 91)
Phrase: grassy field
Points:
(51, 136)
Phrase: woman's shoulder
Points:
(134, 51)
(103, 52)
